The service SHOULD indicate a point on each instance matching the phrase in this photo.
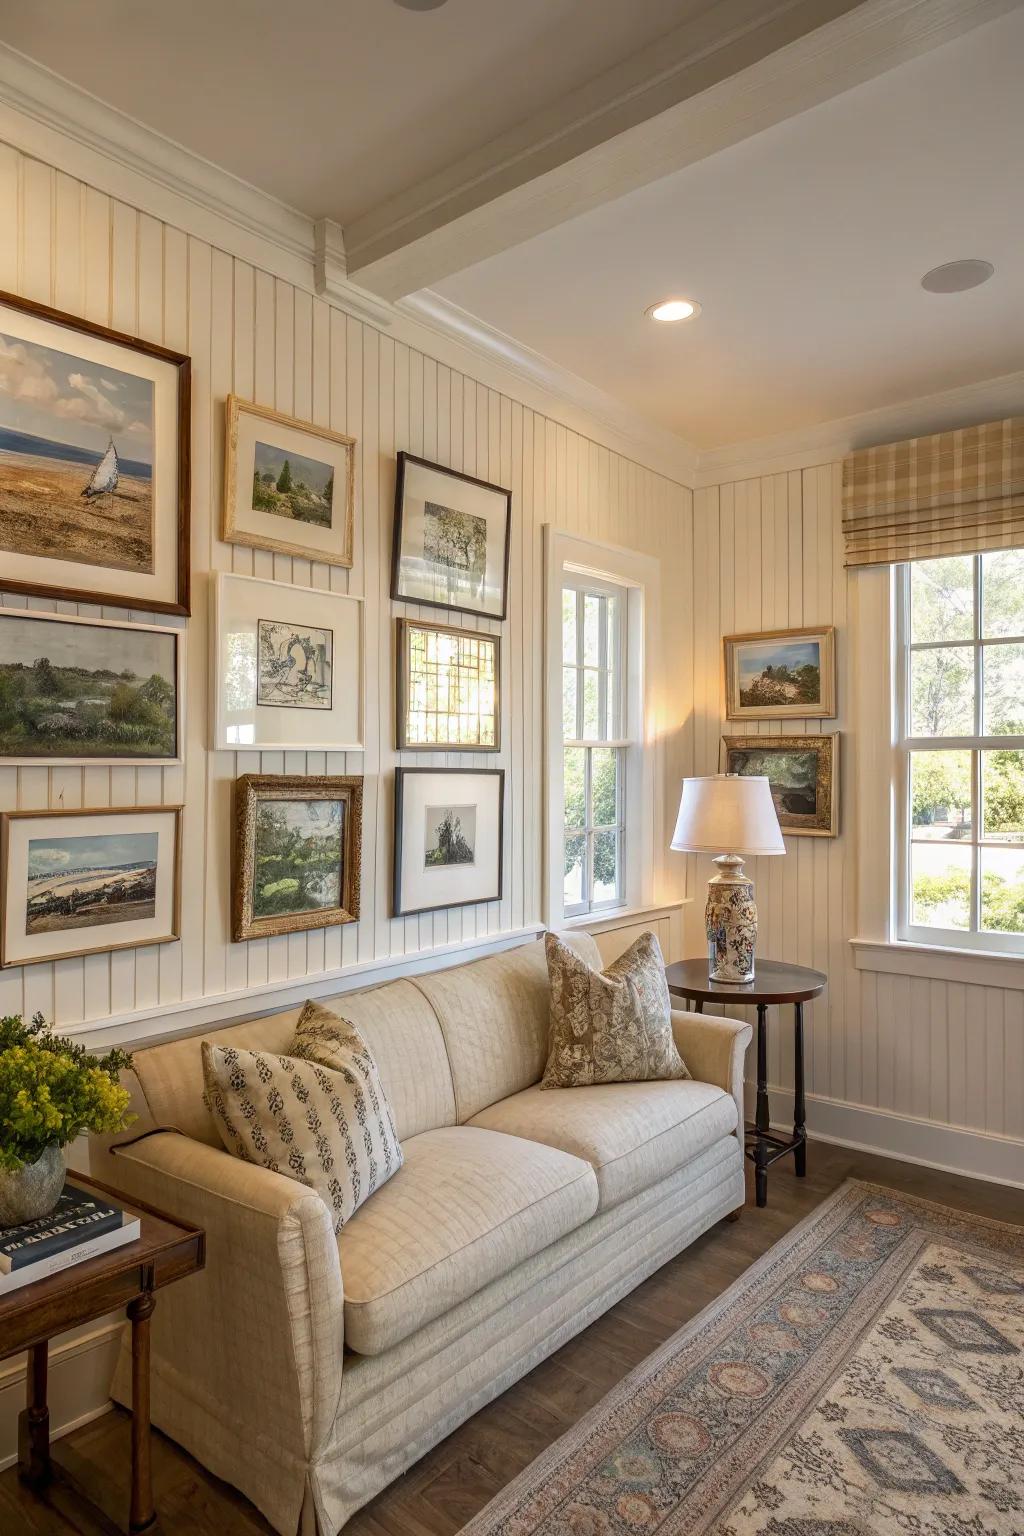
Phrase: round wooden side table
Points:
(774, 982)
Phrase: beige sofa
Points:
(310, 1370)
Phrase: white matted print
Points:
(448, 837)
(288, 667)
(75, 883)
(289, 485)
(451, 539)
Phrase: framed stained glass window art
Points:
(451, 541)
(448, 689)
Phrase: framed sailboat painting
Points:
(94, 462)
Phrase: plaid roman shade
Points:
(949, 494)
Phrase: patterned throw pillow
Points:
(329, 1129)
(612, 1026)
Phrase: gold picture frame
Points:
(795, 677)
(257, 915)
(292, 438)
(406, 737)
(756, 755)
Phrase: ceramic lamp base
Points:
(731, 922)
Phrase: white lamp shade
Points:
(727, 814)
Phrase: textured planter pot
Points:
(33, 1190)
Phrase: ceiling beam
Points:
(734, 70)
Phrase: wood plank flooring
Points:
(438, 1495)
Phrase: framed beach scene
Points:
(451, 539)
(780, 673)
(289, 485)
(298, 848)
(94, 462)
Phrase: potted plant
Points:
(50, 1090)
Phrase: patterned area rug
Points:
(866, 1376)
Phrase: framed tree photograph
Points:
(448, 689)
(781, 673)
(288, 485)
(803, 773)
(80, 691)
(289, 667)
(94, 462)
(452, 539)
(448, 837)
(77, 882)
(298, 848)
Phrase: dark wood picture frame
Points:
(183, 367)
(250, 790)
(826, 749)
(405, 459)
(403, 628)
(397, 910)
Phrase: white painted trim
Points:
(950, 1148)
(623, 917)
(939, 962)
(80, 1367)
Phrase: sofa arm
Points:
(713, 1049)
(255, 1339)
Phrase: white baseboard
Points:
(950, 1148)
(81, 1366)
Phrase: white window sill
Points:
(938, 962)
(608, 918)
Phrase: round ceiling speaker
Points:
(421, 5)
(956, 276)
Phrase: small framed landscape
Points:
(803, 773)
(94, 462)
(76, 883)
(288, 485)
(780, 674)
(451, 540)
(288, 667)
(80, 691)
(298, 850)
(448, 689)
(448, 837)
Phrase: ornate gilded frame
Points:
(825, 635)
(826, 822)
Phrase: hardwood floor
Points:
(438, 1495)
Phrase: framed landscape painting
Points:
(288, 485)
(298, 848)
(77, 882)
(289, 667)
(94, 462)
(451, 540)
(82, 691)
(448, 837)
(803, 773)
(780, 673)
(448, 689)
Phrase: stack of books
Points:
(81, 1226)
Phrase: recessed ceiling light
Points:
(668, 311)
(956, 276)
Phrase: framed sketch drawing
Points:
(781, 673)
(77, 882)
(298, 847)
(289, 667)
(288, 485)
(451, 540)
(448, 689)
(94, 462)
(80, 691)
(803, 772)
(448, 837)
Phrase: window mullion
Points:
(588, 813)
(580, 676)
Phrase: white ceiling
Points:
(805, 244)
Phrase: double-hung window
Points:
(594, 743)
(959, 784)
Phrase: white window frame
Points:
(906, 931)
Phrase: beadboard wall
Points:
(66, 244)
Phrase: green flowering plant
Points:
(51, 1089)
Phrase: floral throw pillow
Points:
(612, 1026)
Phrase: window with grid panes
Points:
(960, 751)
(593, 745)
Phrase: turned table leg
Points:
(34, 1421)
(142, 1513)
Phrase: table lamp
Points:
(727, 812)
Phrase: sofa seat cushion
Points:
(468, 1206)
(632, 1134)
